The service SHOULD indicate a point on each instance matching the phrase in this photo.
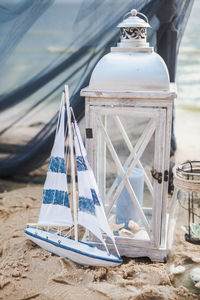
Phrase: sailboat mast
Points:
(72, 161)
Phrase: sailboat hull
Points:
(78, 252)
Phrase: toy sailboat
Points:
(55, 211)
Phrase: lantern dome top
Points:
(134, 20)
(132, 65)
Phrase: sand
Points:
(29, 272)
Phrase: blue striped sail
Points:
(55, 209)
(91, 213)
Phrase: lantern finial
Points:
(134, 12)
(134, 30)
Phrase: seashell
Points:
(114, 227)
(195, 274)
(133, 225)
(142, 235)
(176, 270)
(125, 232)
(197, 285)
(196, 259)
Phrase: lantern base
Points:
(189, 239)
(127, 249)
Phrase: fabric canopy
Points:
(46, 43)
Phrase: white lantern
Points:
(128, 133)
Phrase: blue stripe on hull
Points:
(55, 197)
(118, 260)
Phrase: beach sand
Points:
(29, 272)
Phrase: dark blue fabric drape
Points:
(46, 43)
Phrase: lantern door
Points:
(126, 149)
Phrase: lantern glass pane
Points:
(126, 148)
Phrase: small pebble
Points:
(195, 274)
(4, 283)
(15, 235)
(196, 259)
(16, 273)
(177, 270)
(15, 265)
(25, 265)
(197, 285)
(171, 277)
(125, 232)
(133, 225)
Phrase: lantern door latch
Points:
(89, 133)
(159, 176)
(166, 175)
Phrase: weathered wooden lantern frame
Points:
(157, 105)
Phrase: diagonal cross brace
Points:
(129, 159)
(131, 156)
(125, 176)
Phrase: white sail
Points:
(55, 209)
(91, 212)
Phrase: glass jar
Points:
(185, 205)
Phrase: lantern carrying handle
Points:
(134, 12)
